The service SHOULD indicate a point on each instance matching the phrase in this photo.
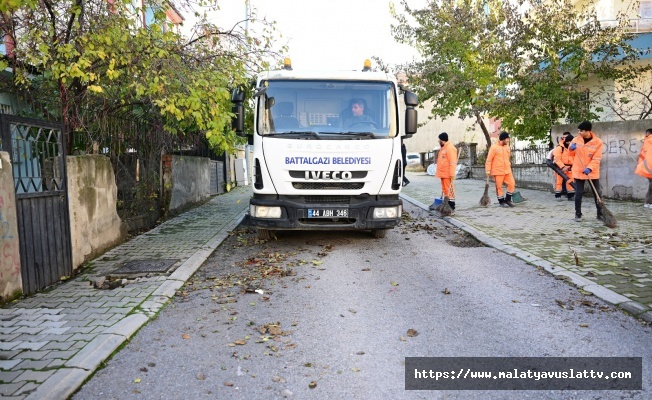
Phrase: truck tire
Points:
(379, 233)
(264, 234)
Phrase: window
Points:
(328, 107)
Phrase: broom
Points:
(607, 217)
(444, 208)
(484, 200)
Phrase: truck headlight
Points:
(387, 212)
(264, 211)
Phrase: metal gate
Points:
(37, 151)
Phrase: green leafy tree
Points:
(96, 57)
(525, 63)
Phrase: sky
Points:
(327, 34)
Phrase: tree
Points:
(97, 57)
(524, 63)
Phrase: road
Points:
(334, 314)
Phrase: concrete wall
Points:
(188, 180)
(11, 283)
(94, 222)
(622, 145)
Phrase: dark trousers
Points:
(579, 191)
(405, 179)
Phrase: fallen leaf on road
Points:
(312, 385)
(402, 339)
(185, 336)
(201, 377)
(229, 384)
(412, 332)
(137, 380)
(446, 291)
(355, 369)
(584, 325)
(394, 283)
(240, 342)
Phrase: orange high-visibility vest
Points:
(446, 161)
(498, 162)
(586, 155)
(644, 167)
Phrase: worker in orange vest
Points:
(564, 161)
(586, 150)
(446, 168)
(644, 167)
(499, 166)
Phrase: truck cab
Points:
(326, 150)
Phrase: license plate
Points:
(329, 213)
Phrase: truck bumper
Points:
(294, 212)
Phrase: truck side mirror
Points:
(237, 123)
(410, 99)
(411, 118)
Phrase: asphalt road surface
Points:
(334, 314)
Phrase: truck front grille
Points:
(354, 174)
(327, 199)
(328, 185)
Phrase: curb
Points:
(624, 303)
(66, 381)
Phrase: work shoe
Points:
(647, 205)
(578, 218)
(509, 203)
(571, 196)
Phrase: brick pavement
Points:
(615, 264)
(52, 341)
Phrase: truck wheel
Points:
(265, 234)
(379, 233)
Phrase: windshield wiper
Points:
(295, 133)
(369, 134)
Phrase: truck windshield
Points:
(332, 109)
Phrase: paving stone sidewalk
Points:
(52, 341)
(614, 264)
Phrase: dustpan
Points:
(517, 198)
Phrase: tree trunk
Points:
(478, 117)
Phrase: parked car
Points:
(413, 158)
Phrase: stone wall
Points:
(11, 283)
(95, 225)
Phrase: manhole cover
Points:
(145, 266)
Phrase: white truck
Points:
(319, 161)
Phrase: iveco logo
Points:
(335, 175)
